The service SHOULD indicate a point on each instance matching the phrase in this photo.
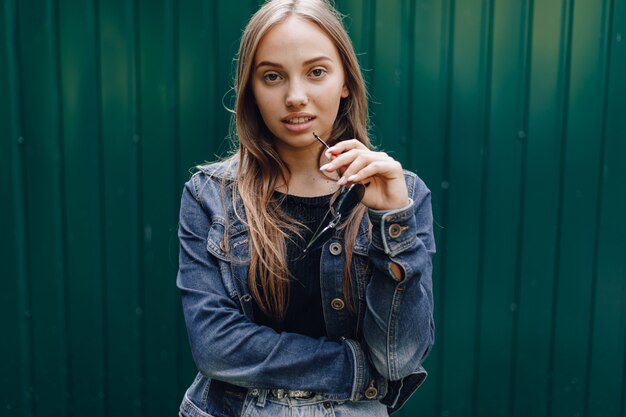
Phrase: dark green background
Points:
(512, 111)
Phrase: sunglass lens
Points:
(347, 202)
(320, 238)
(350, 199)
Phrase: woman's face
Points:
(298, 82)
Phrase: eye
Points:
(271, 77)
(318, 72)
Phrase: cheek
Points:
(260, 95)
(265, 105)
(329, 99)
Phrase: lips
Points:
(298, 118)
(297, 122)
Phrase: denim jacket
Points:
(373, 351)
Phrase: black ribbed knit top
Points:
(304, 313)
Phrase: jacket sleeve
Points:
(398, 325)
(228, 346)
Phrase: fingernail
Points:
(352, 177)
(341, 181)
(328, 151)
(324, 167)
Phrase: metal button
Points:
(395, 230)
(371, 393)
(335, 248)
(337, 304)
(327, 404)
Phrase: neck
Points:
(305, 178)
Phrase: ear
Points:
(344, 91)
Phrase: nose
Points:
(296, 95)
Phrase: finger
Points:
(388, 169)
(379, 163)
(341, 160)
(344, 146)
(359, 163)
(354, 160)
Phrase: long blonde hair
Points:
(259, 166)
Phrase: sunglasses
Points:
(344, 205)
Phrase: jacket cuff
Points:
(393, 230)
(368, 384)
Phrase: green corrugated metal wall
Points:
(514, 112)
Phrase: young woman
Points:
(305, 258)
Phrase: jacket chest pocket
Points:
(234, 256)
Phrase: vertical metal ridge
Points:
(136, 208)
(486, 68)
(410, 68)
(174, 99)
(174, 81)
(605, 52)
(54, 49)
(20, 204)
(368, 35)
(567, 20)
(372, 33)
(216, 81)
(173, 78)
(102, 230)
(447, 60)
(371, 47)
(139, 227)
(527, 10)
(622, 406)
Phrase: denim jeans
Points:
(313, 407)
(317, 406)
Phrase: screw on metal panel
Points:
(136, 138)
(521, 134)
(20, 140)
(619, 37)
(445, 185)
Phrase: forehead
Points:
(295, 40)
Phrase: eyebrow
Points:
(307, 62)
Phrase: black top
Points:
(304, 313)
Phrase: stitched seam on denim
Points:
(402, 246)
(247, 403)
(215, 250)
(196, 191)
(403, 212)
(411, 179)
(191, 408)
(382, 235)
(384, 388)
(358, 372)
(205, 391)
(391, 336)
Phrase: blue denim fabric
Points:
(372, 353)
